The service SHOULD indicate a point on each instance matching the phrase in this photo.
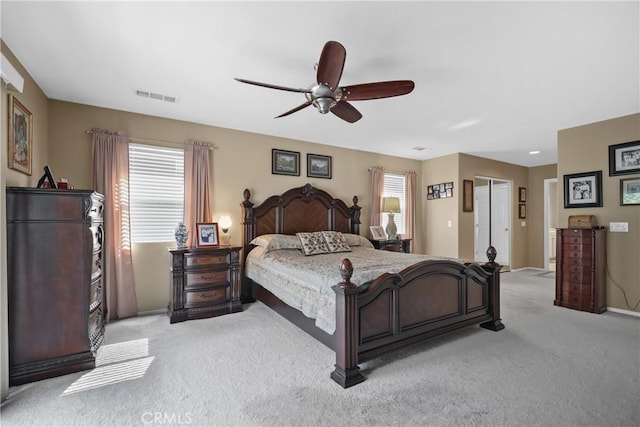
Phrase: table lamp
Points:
(225, 224)
(391, 205)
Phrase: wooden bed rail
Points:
(423, 301)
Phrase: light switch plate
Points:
(619, 227)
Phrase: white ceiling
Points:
(493, 79)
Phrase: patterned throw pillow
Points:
(335, 241)
(313, 243)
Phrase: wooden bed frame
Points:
(425, 300)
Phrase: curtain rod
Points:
(144, 140)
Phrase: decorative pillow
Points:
(313, 243)
(357, 240)
(335, 241)
(272, 242)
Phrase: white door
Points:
(492, 219)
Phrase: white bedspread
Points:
(304, 282)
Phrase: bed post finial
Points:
(492, 254)
(246, 194)
(355, 216)
(346, 271)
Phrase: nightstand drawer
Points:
(212, 296)
(202, 260)
(206, 278)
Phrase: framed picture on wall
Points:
(624, 158)
(285, 162)
(20, 136)
(467, 195)
(630, 192)
(522, 194)
(583, 190)
(318, 166)
(522, 211)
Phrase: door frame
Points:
(545, 238)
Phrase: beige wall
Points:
(241, 160)
(440, 238)
(35, 101)
(585, 149)
(535, 212)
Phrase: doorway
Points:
(550, 223)
(492, 219)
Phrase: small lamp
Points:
(391, 205)
(225, 225)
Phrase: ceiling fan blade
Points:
(331, 64)
(346, 112)
(298, 108)
(377, 90)
(290, 89)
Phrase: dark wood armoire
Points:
(581, 265)
(54, 281)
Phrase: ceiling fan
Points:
(327, 96)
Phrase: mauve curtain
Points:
(377, 188)
(111, 178)
(410, 192)
(197, 192)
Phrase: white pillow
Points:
(272, 242)
(357, 240)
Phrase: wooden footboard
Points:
(423, 301)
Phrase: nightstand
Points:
(205, 282)
(393, 245)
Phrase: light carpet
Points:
(551, 366)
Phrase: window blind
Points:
(156, 188)
(394, 186)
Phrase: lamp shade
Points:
(225, 223)
(391, 204)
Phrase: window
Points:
(394, 186)
(156, 187)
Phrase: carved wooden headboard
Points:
(300, 209)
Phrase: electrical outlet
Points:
(619, 227)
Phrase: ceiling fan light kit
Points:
(327, 96)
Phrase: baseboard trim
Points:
(528, 268)
(620, 311)
(153, 312)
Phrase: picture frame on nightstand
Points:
(377, 232)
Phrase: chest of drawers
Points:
(54, 281)
(581, 269)
(205, 282)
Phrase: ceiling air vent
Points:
(156, 96)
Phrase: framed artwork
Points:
(207, 234)
(522, 194)
(440, 191)
(467, 195)
(285, 162)
(624, 158)
(20, 136)
(630, 192)
(583, 190)
(377, 232)
(318, 166)
(522, 211)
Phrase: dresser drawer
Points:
(206, 278)
(208, 297)
(204, 260)
(578, 299)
